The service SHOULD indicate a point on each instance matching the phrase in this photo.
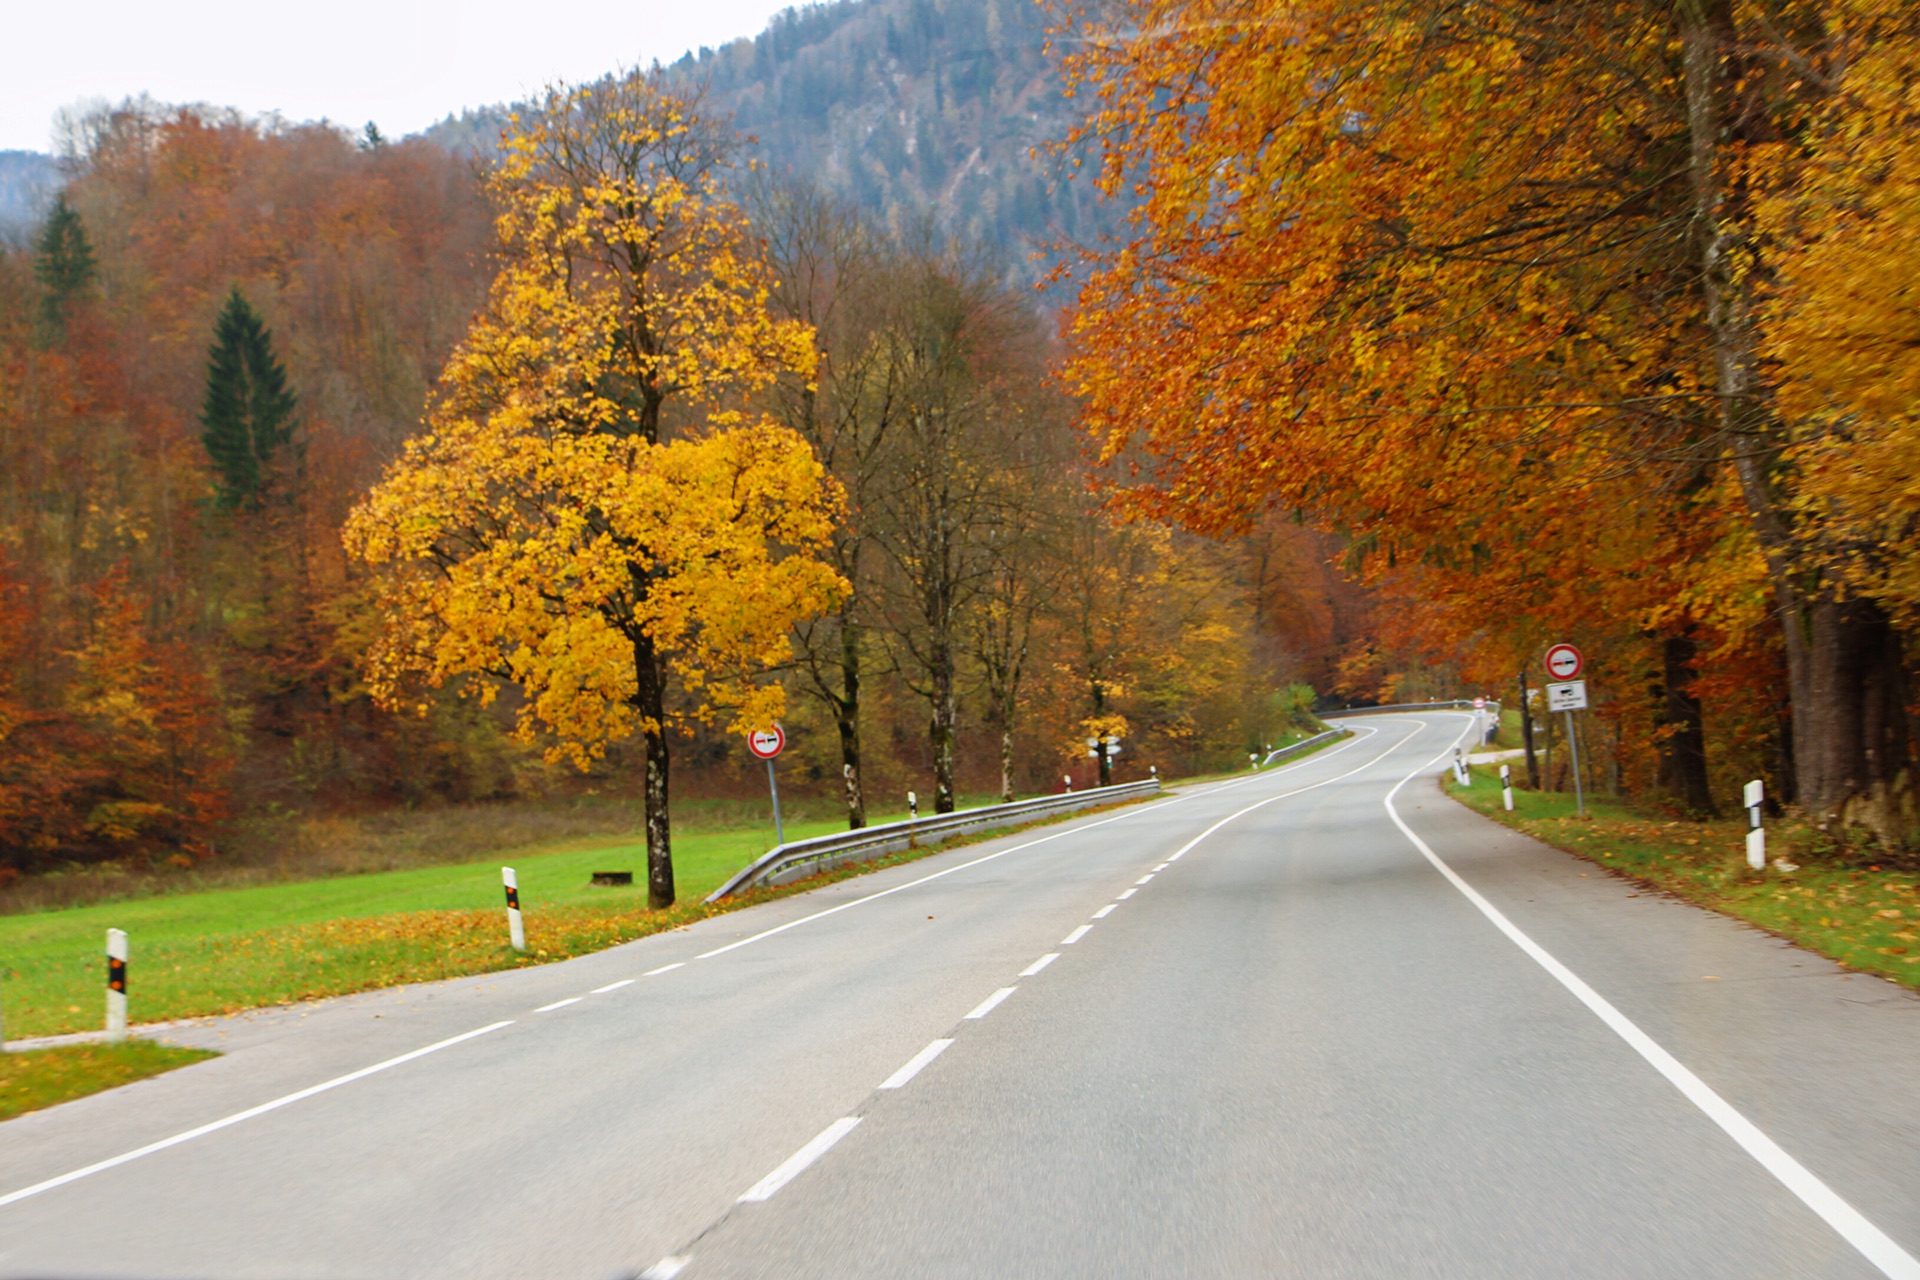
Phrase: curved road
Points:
(1318, 1022)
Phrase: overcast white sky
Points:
(400, 63)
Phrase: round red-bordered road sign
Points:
(1564, 662)
(767, 743)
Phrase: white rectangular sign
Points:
(1571, 696)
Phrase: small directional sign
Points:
(1564, 662)
(1571, 696)
(767, 743)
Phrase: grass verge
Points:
(34, 1078)
(222, 951)
(1865, 917)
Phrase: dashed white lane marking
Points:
(612, 986)
(1143, 879)
(1163, 866)
(797, 1163)
(991, 1003)
(667, 1268)
(1128, 894)
(1040, 964)
(559, 1004)
(914, 1064)
(663, 968)
(1105, 911)
(1076, 935)
(1853, 1226)
(248, 1114)
(1174, 857)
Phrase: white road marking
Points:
(797, 1163)
(1040, 964)
(1163, 866)
(1105, 911)
(611, 986)
(1874, 1244)
(665, 968)
(667, 1268)
(248, 1114)
(1143, 879)
(1076, 935)
(1173, 857)
(559, 1004)
(1128, 894)
(914, 1064)
(991, 1003)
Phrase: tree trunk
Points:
(1852, 744)
(649, 699)
(1006, 759)
(940, 724)
(1526, 734)
(1683, 741)
(846, 717)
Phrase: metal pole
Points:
(1573, 757)
(779, 832)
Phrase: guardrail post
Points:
(116, 984)
(516, 930)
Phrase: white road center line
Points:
(914, 1064)
(796, 1164)
(1163, 866)
(1076, 935)
(665, 968)
(611, 986)
(1105, 911)
(1874, 1244)
(1128, 894)
(1143, 879)
(667, 1268)
(992, 1002)
(1040, 964)
(248, 1114)
(559, 1004)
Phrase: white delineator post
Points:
(913, 805)
(1756, 792)
(1460, 768)
(516, 928)
(1506, 787)
(116, 984)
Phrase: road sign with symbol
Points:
(1564, 662)
(767, 743)
(1571, 696)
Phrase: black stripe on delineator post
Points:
(513, 898)
(116, 974)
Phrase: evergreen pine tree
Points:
(63, 263)
(247, 416)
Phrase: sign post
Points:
(1564, 662)
(766, 744)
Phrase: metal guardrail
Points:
(797, 858)
(1304, 744)
(1458, 704)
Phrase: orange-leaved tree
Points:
(590, 512)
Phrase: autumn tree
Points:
(590, 511)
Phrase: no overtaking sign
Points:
(1564, 662)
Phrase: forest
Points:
(545, 456)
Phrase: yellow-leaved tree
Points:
(590, 512)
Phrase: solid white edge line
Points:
(248, 1114)
(1076, 935)
(1105, 911)
(914, 1064)
(611, 986)
(1040, 964)
(797, 1163)
(665, 968)
(1875, 1245)
(559, 1004)
(1128, 894)
(992, 1002)
(1132, 812)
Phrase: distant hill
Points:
(903, 107)
(28, 180)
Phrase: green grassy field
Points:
(1866, 916)
(219, 950)
(41, 1077)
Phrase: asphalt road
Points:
(1348, 1031)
